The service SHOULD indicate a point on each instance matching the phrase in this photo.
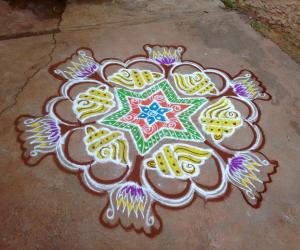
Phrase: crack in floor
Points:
(28, 34)
(28, 79)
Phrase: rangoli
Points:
(153, 130)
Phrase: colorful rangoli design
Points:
(155, 130)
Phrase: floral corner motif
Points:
(250, 172)
(153, 130)
(165, 55)
(38, 136)
(80, 65)
(131, 206)
(246, 85)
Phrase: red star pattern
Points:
(172, 120)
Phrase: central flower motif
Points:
(155, 114)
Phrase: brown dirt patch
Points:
(41, 8)
(276, 19)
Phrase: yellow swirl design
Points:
(106, 145)
(134, 78)
(178, 161)
(92, 102)
(220, 119)
(196, 83)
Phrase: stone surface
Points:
(120, 12)
(45, 208)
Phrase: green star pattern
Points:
(143, 145)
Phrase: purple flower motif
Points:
(241, 90)
(88, 71)
(243, 172)
(131, 198)
(130, 205)
(133, 190)
(165, 55)
(80, 66)
(166, 60)
(42, 133)
(245, 86)
(237, 163)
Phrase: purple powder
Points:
(133, 190)
(236, 163)
(166, 60)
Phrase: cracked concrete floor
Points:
(44, 208)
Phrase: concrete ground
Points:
(45, 208)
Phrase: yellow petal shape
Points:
(134, 78)
(179, 161)
(92, 102)
(195, 83)
(220, 119)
